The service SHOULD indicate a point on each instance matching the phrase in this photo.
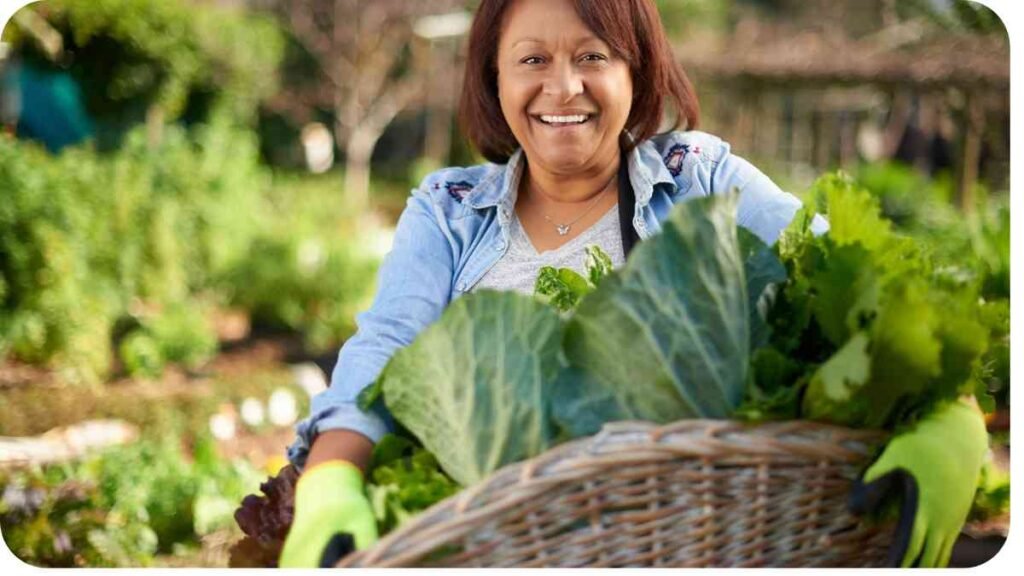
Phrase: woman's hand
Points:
(330, 503)
(935, 466)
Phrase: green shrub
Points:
(183, 334)
(141, 355)
(310, 269)
(130, 55)
(85, 235)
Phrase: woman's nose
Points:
(563, 82)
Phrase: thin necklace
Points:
(563, 229)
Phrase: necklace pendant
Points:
(562, 229)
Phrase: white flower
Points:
(310, 378)
(222, 425)
(252, 412)
(283, 408)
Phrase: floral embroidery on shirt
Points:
(674, 158)
(458, 190)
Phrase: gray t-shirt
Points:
(519, 267)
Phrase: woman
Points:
(565, 99)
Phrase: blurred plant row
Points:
(117, 255)
(126, 255)
(123, 506)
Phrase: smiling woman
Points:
(601, 49)
(566, 99)
(556, 79)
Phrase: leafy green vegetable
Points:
(763, 272)
(993, 496)
(667, 337)
(563, 288)
(501, 377)
(871, 336)
(404, 479)
(837, 386)
(474, 387)
(598, 265)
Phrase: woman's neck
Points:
(556, 192)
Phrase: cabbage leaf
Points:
(475, 386)
(668, 336)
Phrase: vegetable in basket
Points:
(865, 333)
(850, 312)
(501, 377)
(859, 334)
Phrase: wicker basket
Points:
(693, 493)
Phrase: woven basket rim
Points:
(618, 444)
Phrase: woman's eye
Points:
(532, 60)
(594, 58)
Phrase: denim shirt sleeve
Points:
(413, 288)
(764, 208)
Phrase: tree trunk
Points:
(358, 152)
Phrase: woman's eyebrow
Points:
(575, 41)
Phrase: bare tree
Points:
(372, 67)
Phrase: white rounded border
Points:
(1010, 555)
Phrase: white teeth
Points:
(578, 119)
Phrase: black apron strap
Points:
(627, 205)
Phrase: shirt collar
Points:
(501, 185)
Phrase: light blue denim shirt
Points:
(456, 225)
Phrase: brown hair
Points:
(633, 30)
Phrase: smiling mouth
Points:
(564, 121)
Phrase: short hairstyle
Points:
(631, 28)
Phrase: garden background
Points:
(195, 195)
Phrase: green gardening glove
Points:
(935, 467)
(331, 510)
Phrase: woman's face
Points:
(553, 72)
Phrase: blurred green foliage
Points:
(180, 334)
(122, 506)
(91, 242)
(125, 252)
(130, 55)
(86, 236)
(312, 267)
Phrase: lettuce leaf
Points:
(563, 288)
(474, 387)
(877, 336)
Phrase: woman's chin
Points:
(562, 161)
